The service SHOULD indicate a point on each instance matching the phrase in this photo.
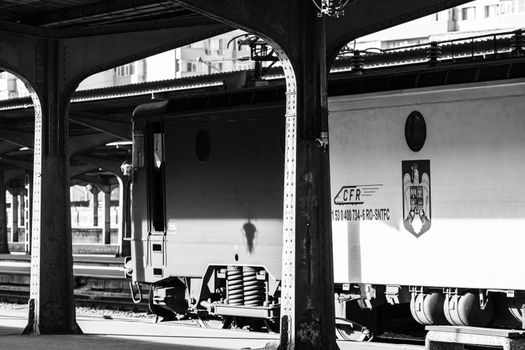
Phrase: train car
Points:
(428, 206)
(207, 207)
(427, 203)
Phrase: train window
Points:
(138, 149)
(202, 145)
(157, 248)
(158, 150)
(157, 183)
(415, 131)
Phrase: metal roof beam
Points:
(19, 163)
(100, 10)
(120, 128)
(76, 170)
(109, 165)
(12, 174)
(102, 183)
(83, 143)
(7, 147)
(23, 139)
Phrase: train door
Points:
(156, 239)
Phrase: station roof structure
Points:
(108, 119)
(78, 17)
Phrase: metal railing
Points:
(493, 46)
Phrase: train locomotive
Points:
(428, 208)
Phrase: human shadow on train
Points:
(249, 231)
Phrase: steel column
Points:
(14, 216)
(106, 230)
(298, 35)
(28, 178)
(313, 318)
(51, 294)
(93, 189)
(21, 207)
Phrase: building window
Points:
(512, 6)
(393, 44)
(191, 67)
(125, 70)
(468, 13)
(491, 11)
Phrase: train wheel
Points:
(159, 311)
(348, 330)
(427, 309)
(465, 310)
(272, 326)
(507, 310)
(516, 310)
(216, 323)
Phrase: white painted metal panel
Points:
(226, 210)
(475, 144)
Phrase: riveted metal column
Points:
(28, 179)
(307, 292)
(51, 304)
(4, 248)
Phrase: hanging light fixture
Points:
(331, 8)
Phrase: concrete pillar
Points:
(14, 216)
(51, 304)
(106, 231)
(4, 248)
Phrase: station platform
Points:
(106, 333)
(112, 334)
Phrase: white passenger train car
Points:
(428, 197)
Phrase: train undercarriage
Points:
(242, 297)
(249, 297)
(237, 296)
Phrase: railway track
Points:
(118, 300)
(99, 282)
